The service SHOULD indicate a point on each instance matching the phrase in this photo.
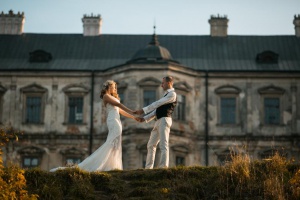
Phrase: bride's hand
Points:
(139, 119)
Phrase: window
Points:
(2, 91)
(179, 113)
(75, 110)
(31, 156)
(180, 161)
(182, 89)
(30, 162)
(34, 104)
(122, 85)
(121, 95)
(33, 109)
(144, 160)
(149, 97)
(228, 104)
(228, 110)
(75, 103)
(271, 109)
(1, 107)
(72, 156)
(271, 99)
(180, 152)
(149, 87)
(72, 160)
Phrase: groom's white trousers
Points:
(159, 134)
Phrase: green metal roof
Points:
(76, 52)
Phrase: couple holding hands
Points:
(109, 156)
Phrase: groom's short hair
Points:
(169, 79)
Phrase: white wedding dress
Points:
(108, 156)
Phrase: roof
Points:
(78, 52)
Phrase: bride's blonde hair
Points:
(105, 88)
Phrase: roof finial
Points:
(154, 27)
(154, 40)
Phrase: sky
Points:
(171, 17)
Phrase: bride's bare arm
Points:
(111, 100)
(124, 113)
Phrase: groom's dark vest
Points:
(165, 110)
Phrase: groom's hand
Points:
(139, 112)
(141, 119)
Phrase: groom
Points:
(161, 111)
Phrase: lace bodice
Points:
(112, 111)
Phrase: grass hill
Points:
(274, 178)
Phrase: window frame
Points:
(2, 92)
(223, 96)
(228, 91)
(69, 110)
(31, 152)
(148, 83)
(72, 152)
(34, 90)
(73, 91)
(264, 110)
(271, 92)
(180, 150)
(175, 115)
(154, 90)
(31, 158)
(182, 88)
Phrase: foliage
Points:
(238, 179)
(12, 180)
(241, 178)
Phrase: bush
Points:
(12, 180)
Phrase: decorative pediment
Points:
(2, 89)
(182, 148)
(227, 89)
(39, 56)
(267, 57)
(75, 88)
(184, 86)
(72, 151)
(33, 88)
(31, 150)
(121, 84)
(271, 90)
(149, 81)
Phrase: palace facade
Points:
(235, 93)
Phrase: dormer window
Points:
(40, 56)
(267, 57)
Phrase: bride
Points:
(109, 155)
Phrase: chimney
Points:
(92, 25)
(218, 26)
(12, 24)
(297, 25)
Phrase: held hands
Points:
(138, 112)
(139, 119)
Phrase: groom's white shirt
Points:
(150, 110)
